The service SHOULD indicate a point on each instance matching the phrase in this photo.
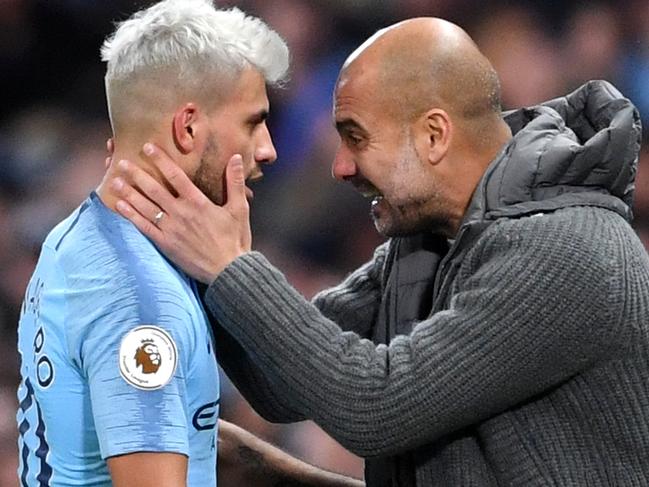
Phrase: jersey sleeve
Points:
(133, 348)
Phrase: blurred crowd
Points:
(53, 129)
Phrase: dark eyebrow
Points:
(347, 125)
(260, 116)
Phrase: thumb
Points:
(110, 148)
(236, 186)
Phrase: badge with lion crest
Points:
(147, 357)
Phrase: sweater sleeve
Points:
(266, 398)
(354, 303)
(535, 302)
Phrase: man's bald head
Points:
(423, 63)
(417, 107)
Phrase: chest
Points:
(418, 282)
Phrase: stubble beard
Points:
(411, 214)
(411, 217)
(205, 179)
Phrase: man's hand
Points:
(199, 236)
(110, 147)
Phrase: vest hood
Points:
(581, 149)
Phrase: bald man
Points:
(501, 335)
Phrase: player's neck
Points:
(106, 190)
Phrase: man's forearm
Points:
(252, 461)
(284, 470)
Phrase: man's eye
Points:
(354, 139)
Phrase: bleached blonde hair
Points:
(193, 37)
(185, 49)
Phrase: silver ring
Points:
(158, 218)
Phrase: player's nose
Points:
(265, 152)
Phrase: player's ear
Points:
(185, 125)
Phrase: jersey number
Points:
(44, 376)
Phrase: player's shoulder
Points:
(65, 230)
(95, 248)
(112, 277)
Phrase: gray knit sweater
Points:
(532, 368)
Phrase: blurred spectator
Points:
(593, 45)
(525, 55)
(635, 72)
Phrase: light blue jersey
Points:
(116, 357)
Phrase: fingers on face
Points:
(137, 202)
(235, 169)
(110, 147)
(236, 184)
(147, 187)
(174, 175)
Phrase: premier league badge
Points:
(147, 357)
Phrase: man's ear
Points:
(185, 123)
(439, 131)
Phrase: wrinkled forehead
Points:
(359, 78)
(349, 99)
(358, 91)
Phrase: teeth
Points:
(370, 193)
(377, 200)
(253, 178)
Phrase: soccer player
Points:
(119, 379)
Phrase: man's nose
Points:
(343, 166)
